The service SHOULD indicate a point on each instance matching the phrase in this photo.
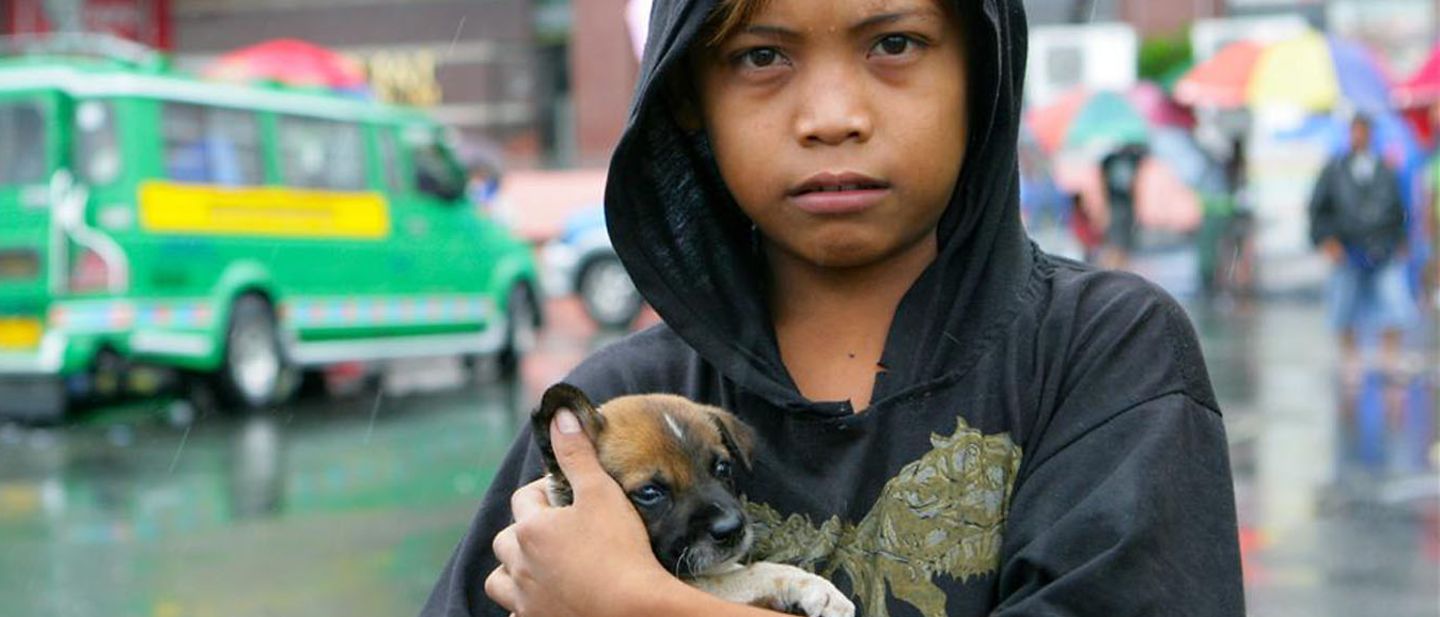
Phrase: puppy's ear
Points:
(738, 437)
(557, 397)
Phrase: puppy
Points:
(674, 459)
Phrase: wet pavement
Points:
(351, 505)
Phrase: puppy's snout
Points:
(726, 526)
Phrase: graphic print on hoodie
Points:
(1043, 440)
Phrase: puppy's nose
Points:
(726, 525)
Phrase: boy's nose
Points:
(833, 110)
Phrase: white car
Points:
(581, 261)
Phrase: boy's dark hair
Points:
(727, 17)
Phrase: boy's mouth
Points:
(830, 182)
(838, 193)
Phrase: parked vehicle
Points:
(237, 233)
(581, 261)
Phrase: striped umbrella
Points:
(1312, 72)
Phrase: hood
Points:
(690, 250)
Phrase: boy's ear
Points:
(557, 397)
(737, 436)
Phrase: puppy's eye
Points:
(722, 470)
(649, 495)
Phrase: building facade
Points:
(473, 64)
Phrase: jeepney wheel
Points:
(522, 329)
(253, 372)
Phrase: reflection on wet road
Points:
(1336, 477)
(351, 506)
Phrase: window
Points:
(97, 148)
(22, 143)
(436, 174)
(390, 161)
(1066, 66)
(322, 154)
(210, 145)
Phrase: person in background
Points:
(1119, 170)
(1090, 239)
(1358, 220)
(485, 170)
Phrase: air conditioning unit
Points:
(1097, 56)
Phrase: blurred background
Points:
(280, 279)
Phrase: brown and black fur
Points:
(700, 530)
(672, 443)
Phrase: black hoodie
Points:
(1044, 439)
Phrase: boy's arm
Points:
(1137, 517)
(1125, 504)
(591, 558)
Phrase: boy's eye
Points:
(894, 45)
(760, 57)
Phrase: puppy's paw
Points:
(818, 598)
(800, 592)
(779, 587)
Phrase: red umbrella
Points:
(289, 61)
(1423, 87)
(1223, 80)
(1051, 122)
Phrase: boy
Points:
(820, 199)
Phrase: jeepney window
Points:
(390, 161)
(210, 145)
(436, 174)
(97, 147)
(22, 143)
(322, 154)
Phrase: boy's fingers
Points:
(505, 547)
(576, 455)
(530, 499)
(501, 588)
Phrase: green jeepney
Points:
(238, 232)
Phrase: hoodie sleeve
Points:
(1126, 504)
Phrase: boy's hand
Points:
(591, 558)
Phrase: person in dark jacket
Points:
(821, 201)
(1358, 219)
(1120, 170)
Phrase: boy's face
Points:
(839, 125)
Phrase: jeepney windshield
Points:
(22, 143)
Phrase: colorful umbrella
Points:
(1178, 150)
(1312, 72)
(1391, 136)
(1158, 108)
(1423, 88)
(1162, 199)
(291, 62)
(1223, 80)
(1085, 120)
